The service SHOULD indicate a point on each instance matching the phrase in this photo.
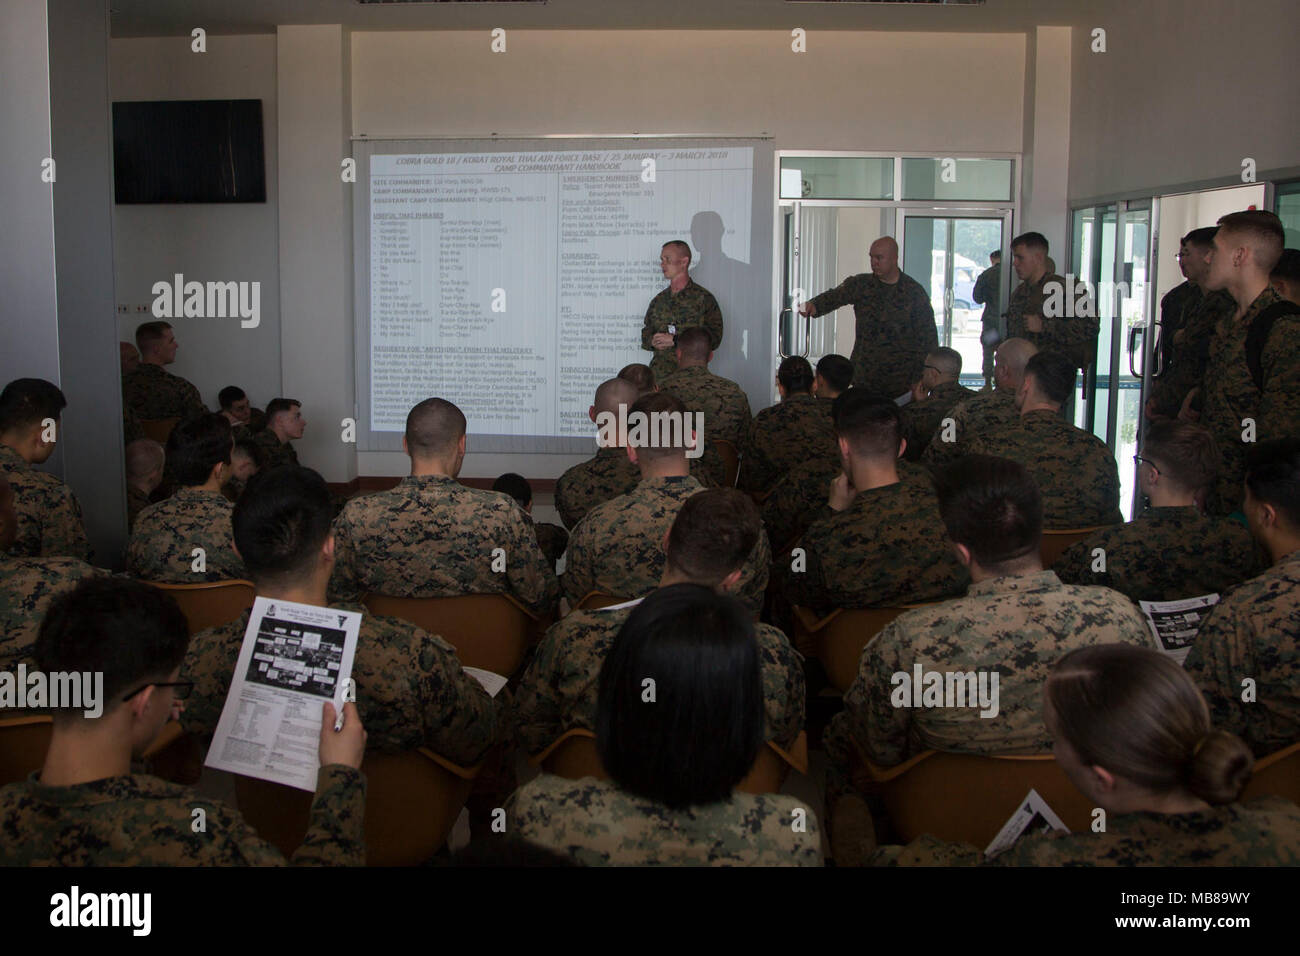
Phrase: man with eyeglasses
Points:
(85, 807)
(682, 305)
(933, 397)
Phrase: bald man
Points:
(682, 305)
(607, 475)
(144, 473)
(895, 323)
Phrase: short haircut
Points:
(29, 401)
(872, 426)
(143, 457)
(639, 375)
(150, 333)
(713, 535)
(277, 405)
(658, 403)
(996, 254)
(1264, 231)
(1185, 453)
(701, 734)
(280, 523)
(1053, 375)
(836, 371)
(795, 374)
(1031, 240)
(434, 427)
(615, 392)
(992, 506)
(132, 633)
(1012, 355)
(1273, 477)
(229, 395)
(1202, 238)
(946, 360)
(683, 248)
(1288, 266)
(251, 450)
(695, 343)
(516, 486)
(196, 445)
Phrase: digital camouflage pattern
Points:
(27, 586)
(1016, 625)
(1075, 337)
(594, 823)
(922, 419)
(411, 689)
(433, 537)
(558, 691)
(988, 292)
(275, 453)
(791, 431)
(603, 478)
(894, 330)
(1164, 554)
(1264, 831)
(49, 516)
(984, 414)
(693, 305)
(166, 534)
(152, 392)
(724, 403)
(1075, 471)
(618, 547)
(1187, 349)
(136, 501)
(1254, 633)
(887, 548)
(138, 820)
(551, 538)
(1229, 395)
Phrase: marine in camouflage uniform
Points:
(693, 305)
(411, 689)
(1016, 625)
(49, 517)
(151, 392)
(618, 547)
(138, 820)
(887, 548)
(1188, 349)
(895, 330)
(724, 403)
(797, 428)
(275, 452)
(433, 537)
(1254, 633)
(551, 538)
(1229, 395)
(1075, 471)
(988, 292)
(558, 691)
(27, 587)
(984, 414)
(1164, 554)
(603, 478)
(136, 501)
(1075, 337)
(920, 420)
(166, 534)
(1264, 831)
(595, 823)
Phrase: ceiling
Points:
(132, 18)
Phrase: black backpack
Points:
(1258, 336)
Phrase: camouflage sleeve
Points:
(784, 692)
(928, 851)
(712, 320)
(927, 333)
(193, 401)
(648, 328)
(579, 578)
(806, 587)
(531, 575)
(843, 294)
(1074, 566)
(939, 453)
(538, 713)
(63, 532)
(344, 586)
(880, 728)
(461, 719)
(753, 579)
(566, 504)
(1218, 662)
(1279, 404)
(981, 291)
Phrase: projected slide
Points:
(514, 283)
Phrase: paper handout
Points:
(294, 658)
(492, 681)
(1032, 816)
(1175, 623)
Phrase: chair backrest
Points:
(730, 459)
(412, 801)
(598, 599)
(159, 429)
(968, 797)
(491, 631)
(210, 603)
(23, 743)
(838, 639)
(1054, 543)
(1277, 774)
(573, 756)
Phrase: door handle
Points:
(1133, 334)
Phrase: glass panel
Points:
(1132, 297)
(963, 179)
(837, 177)
(1102, 274)
(1288, 210)
(925, 254)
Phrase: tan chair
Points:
(159, 429)
(210, 603)
(1278, 774)
(1055, 543)
(23, 743)
(838, 639)
(968, 797)
(491, 631)
(730, 459)
(598, 599)
(412, 802)
(573, 756)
